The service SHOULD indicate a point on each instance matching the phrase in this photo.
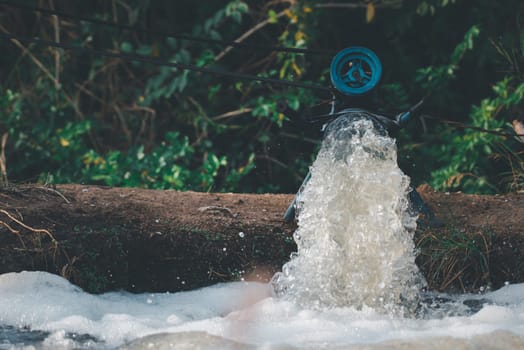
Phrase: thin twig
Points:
(89, 93)
(56, 192)
(394, 4)
(216, 208)
(264, 62)
(342, 5)
(46, 72)
(273, 3)
(472, 127)
(203, 135)
(35, 230)
(123, 122)
(115, 12)
(3, 165)
(101, 70)
(135, 108)
(33, 58)
(56, 25)
(446, 284)
(232, 114)
(16, 232)
(279, 163)
(247, 34)
(131, 17)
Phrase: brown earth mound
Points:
(146, 240)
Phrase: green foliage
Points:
(470, 154)
(54, 143)
(430, 6)
(436, 78)
(76, 118)
(168, 165)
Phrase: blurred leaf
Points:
(370, 12)
(272, 16)
(126, 47)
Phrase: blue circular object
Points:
(355, 70)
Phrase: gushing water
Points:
(355, 230)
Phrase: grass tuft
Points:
(455, 259)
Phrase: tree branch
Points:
(46, 72)
(232, 114)
(247, 34)
(361, 4)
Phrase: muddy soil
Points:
(139, 240)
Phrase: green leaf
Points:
(272, 16)
(126, 47)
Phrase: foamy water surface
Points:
(244, 314)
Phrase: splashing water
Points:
(355, 231)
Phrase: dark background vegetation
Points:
(74, 117)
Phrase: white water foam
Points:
(243, 315)
(355, 233)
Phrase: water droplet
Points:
(241, 234)
(224, 249)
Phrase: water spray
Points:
(355, 227)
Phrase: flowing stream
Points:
(352, 284)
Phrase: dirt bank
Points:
(145, 240)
